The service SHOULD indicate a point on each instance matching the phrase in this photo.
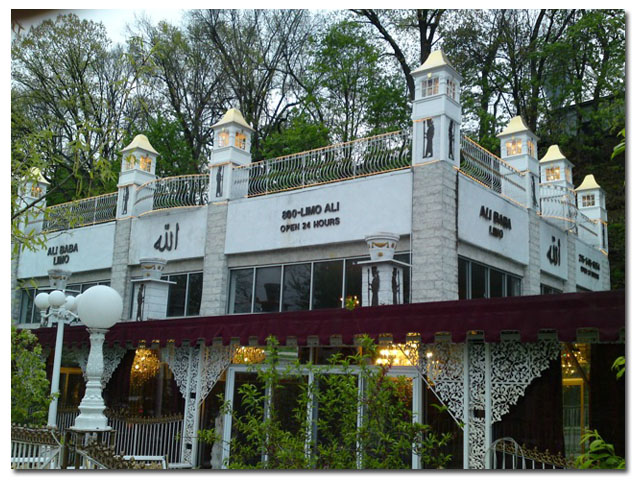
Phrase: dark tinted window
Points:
(240, 292)
(327, 284)
(267, 295)
(297, 287)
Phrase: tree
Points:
(260, 52)
(186, 81)
(298, 134)
(271, 429)
(359, 97)
(393, 25)
(29, 385)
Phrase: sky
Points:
(115, 20)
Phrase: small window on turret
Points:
(145, 164)
(588, 200)
(531, 147)
(430, 87)
(514, 147)
(552, 173)
(130, 162)
(36, 191)
(241, 140)
(567, 175)
(223, 139)
(451, 88)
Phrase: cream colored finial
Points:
(589, 183)
(233, 115)
(553, 154)
(142, 142)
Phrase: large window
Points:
(301, 286)
(476, 280)
(184, 295)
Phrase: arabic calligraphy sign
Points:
(168, 239)
(553, 250)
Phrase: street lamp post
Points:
(99, 308)
(61, 311)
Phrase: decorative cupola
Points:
(137, 168)
(519, 148)
(35, 187)
(139, 155)
(557, 198)
(231, 148)
(555, 169)
(436, 111)
(591, 202)
(232, 139)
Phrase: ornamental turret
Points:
(138, 167)
(436, 111)
(231, 148)
(591, 202)
(519, 148)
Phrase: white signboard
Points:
(171, 235)
(589, 266)
(553, 250)
(77, 250)
(490, 222)
(340, 212)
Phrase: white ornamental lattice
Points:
(112, 356)
(513, 366)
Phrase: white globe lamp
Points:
(42, 301)
(57, 299)
(99, 308)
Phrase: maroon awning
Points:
(564, 314)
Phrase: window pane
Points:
(194, 293)
(267, 290)
(241, 285)
(478, 281)
(513, 286)
(496, 288)
(462, 278)
(177, 293)
(353, 279)
(406, 276)
(296, 288)
(327, 284)
(26, 307)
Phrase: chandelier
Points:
(145, 366)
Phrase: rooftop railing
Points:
(79, 213)
(171, 192)
(342, 161)
(491, 171)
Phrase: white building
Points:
(455, 222)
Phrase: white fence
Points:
(79, 213)
(506, 454)
(139, 436)
(34, 448)
(171, 192)
(491, 171)
(342, 161)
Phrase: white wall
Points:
(586, 269)
(94, 245)
(476, 229)
(154, 235)
(553, 250)
(373, 204)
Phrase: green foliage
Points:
(299, 134)
(272, 431)
(601, 455)
(29, 385)
(619, 367)
(621, 147)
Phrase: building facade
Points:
(401, 218)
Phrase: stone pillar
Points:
(434, 260)
(120, 275)
(531, 279)
(150, 293)
(216, 271)
(570, 285)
